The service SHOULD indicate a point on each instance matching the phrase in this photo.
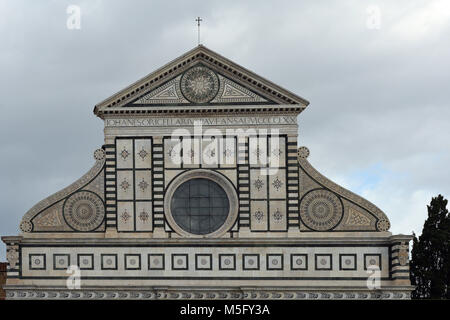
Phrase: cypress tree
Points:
(430, 255)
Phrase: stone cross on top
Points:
(198, 25)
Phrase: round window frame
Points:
(224, 183)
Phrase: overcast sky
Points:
(377, 74)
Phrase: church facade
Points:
(201, 191)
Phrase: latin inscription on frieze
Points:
(216, 121)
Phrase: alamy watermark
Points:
(74, 17)
(214, 147)
(374, 279)
(73, 282)
(373, 21)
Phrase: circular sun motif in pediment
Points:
(84, 211)
(321, 210)
(199, 84)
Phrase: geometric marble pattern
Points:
(61, 261)
(125, 216)
(124, 153)
(250, 262)
(372, 260)
(214, 259)
(274, 262)
(109, 261)
(85, 261)
(144, 221)
(323, 261)
(37, 261)
(195, 152)
(165, 94)
(347, 262)
(230, 91)
(277, 209)
(203, 262)
(134, 184)
(268, 184)
(299, 262)
(227, 262)
(156, 262)
(180, 262)
(143, 153)
(258, 216)
(132, 261)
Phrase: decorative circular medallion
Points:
(84, 211)
(99, 154)
(26, 226)
(199, 84)
(383, 225)
(321, 210)
(303, 152)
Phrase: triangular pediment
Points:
(227, 91)
(200, 77)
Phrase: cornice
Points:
(317, 238)
(202, 110)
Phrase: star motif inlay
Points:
(144, 216)
(124, 154)
(143, 185)
(142, 154)
(277, 184)
(125, 184)
(258, 184)
(125, 216)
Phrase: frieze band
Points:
(217, 294)
(216, 121)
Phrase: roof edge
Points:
(132, 90)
